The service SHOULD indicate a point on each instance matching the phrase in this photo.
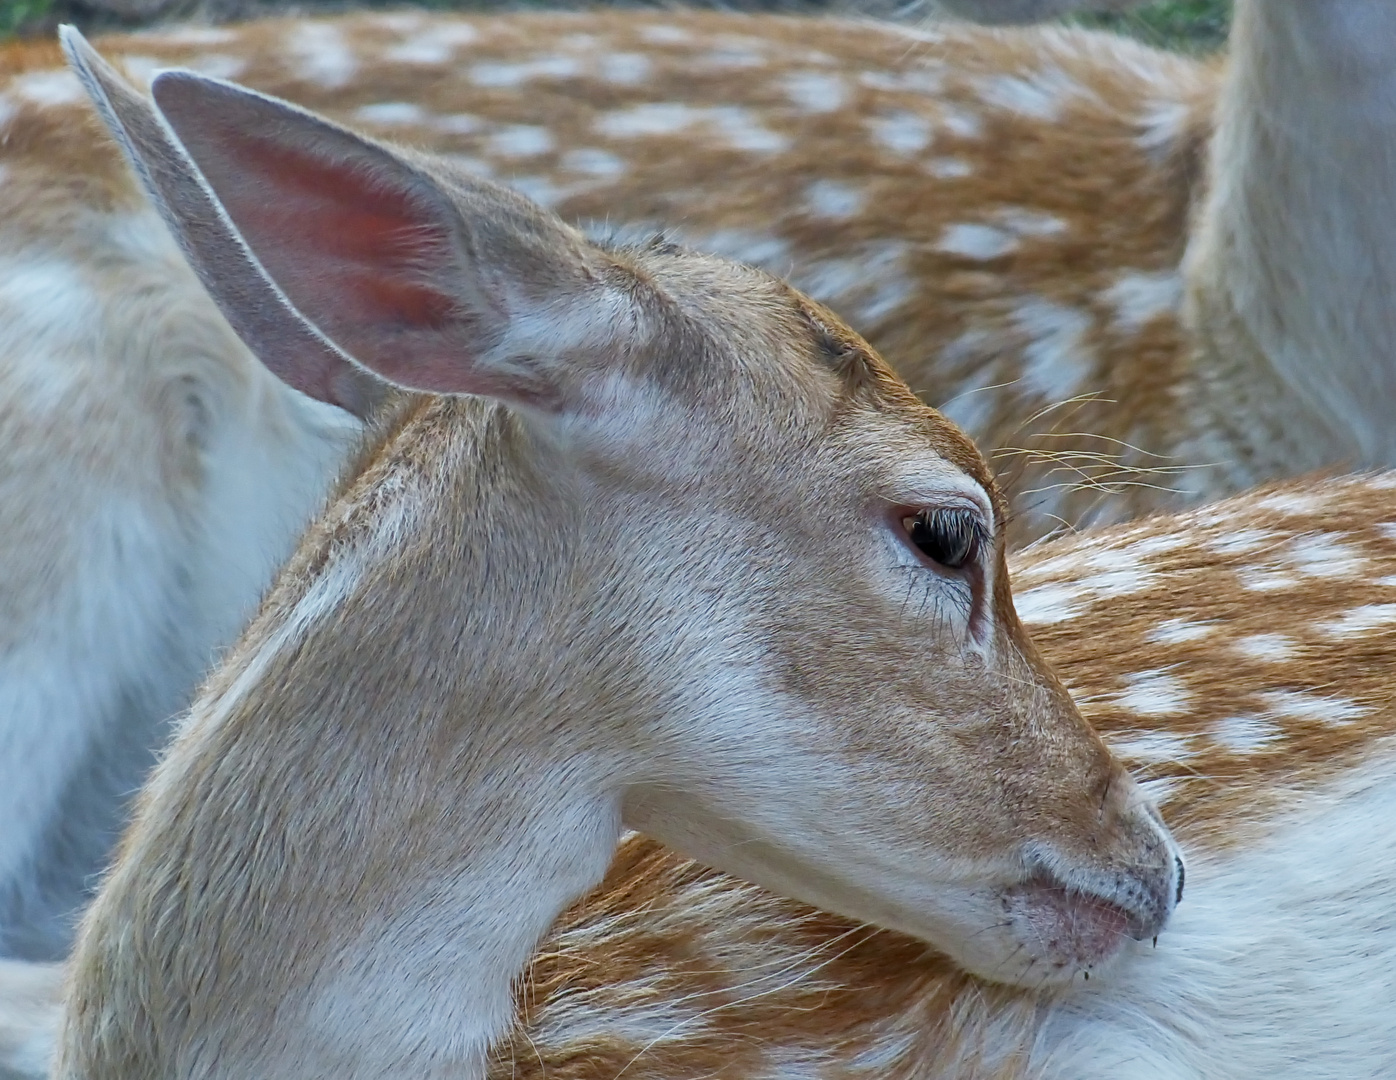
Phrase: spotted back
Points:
(1002, 212)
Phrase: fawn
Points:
(636, 538)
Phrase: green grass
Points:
(1188, 25)
(19, 16)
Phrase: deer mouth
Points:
(1067, 929)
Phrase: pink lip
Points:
(1064, 928)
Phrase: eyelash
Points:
(950, 537)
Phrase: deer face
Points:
(880, 737)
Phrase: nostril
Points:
(1178, 899)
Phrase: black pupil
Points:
(945, 536)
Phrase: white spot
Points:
(627, 69)
(48, 87)
(218, 65)
(1296, 705)
(196, 35)
(664, 34)
(1290, 502)
(748, 246)
(1056, 359)
(833, 199)
(870, 284)
(1139, 297)
(390, 113)
(1361, 620)
(500, 74)
(1244, 734)
(593, 162)
(521, 140)
(1322, 555)
(919, 81)
(1023, 222)
(1159, 544)
(744, 132)
(972, 404)
(1268, 647)
(1048, 604)
(1154, 693)
(960, 122)
(319, 54)
(1178, 632)
(948, 168)
(1387, 529)
(815, 91)
(1040, 96)
(538, 188)
(735, 56)
(7, 110)
(1150, 747)
(1243, 540)
(736, 124)
(438, 45)
(457, 123)
(901, 131)
(1116, 572)
(649, 118)
(975, 241)
(1265, 579)
(1163, 125)
(1387, 582)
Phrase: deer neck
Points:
(372, 818)
(1293, 264)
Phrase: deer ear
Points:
(289, 346)
(330, 253)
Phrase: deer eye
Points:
(948, 536)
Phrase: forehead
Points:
(766, 327)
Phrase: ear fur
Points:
(335, 257)
(289, 346)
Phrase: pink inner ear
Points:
(353, 252)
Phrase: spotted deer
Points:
(637, 535)
(881, 166)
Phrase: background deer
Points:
(898, 175)
(645, 580)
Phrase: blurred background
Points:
(1192, 25)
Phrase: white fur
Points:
(1244, 986)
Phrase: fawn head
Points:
(777, 599)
